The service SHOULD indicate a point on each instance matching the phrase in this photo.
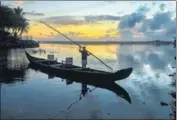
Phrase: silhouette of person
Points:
(84, 53)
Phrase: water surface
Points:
(27, 93)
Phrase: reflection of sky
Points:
(148, 83)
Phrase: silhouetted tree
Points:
(13, 20)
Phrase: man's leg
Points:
(84, 66)
(84, 63)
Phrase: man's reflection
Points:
(84, 90)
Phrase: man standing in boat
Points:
(84, 53)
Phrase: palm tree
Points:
(13, 20)
(22, 24)
(6, 18)
(24, 27)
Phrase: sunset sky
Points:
(100, 20)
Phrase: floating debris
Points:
(164, 104)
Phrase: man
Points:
(84, 53)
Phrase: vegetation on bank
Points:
(173, 93)
(13, 24)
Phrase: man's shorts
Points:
(84, 62)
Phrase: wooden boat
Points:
(108, 85)
(73, 72)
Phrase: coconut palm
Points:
(22, 24)
(24, 27)
(6, 18)
(13, 20)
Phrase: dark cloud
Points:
(145, 26)
(129, 61)
(160, 19)
(156, 62)
(34, 14)
(101, 17)
(65, 20)
(157, 58)
(80, 19)
(162, 6)
(160, 26)
(143, 9)
(171, 28)
(130, 21)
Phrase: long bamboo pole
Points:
(75, 43)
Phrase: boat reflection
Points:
(112, 86)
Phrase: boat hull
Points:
(78, 73)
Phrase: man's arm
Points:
(80, 49)
(88, 53)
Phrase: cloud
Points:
(160, 26)
(80, 19)
(130, 21)
(101, 17)
(65, 20)
(159, 20)
(171, 28)
(154, 3)
(158, 59)
(34, 13)
(162, 6)
(74, 34)
(156, 62)
(19, 3)
(143, 9)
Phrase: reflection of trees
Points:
(3, 59)
(10, 76)
(12, 65)
(17, 59)
(173, 94)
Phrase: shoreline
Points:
(19, 44)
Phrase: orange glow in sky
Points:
(90, 30)
(101, 51)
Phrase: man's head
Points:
(84, 48)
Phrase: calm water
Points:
(26, 93)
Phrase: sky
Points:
(100, 20)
